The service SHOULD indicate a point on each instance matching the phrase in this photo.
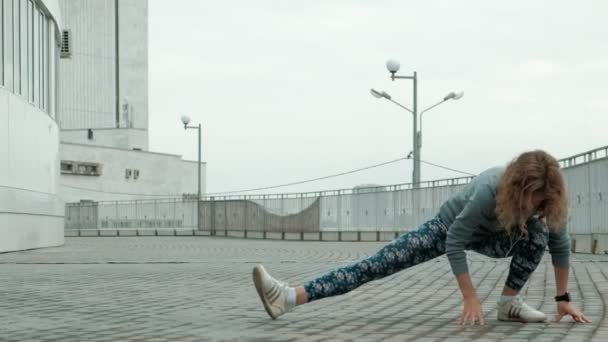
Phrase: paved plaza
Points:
(200, 288)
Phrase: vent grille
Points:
(66, 44)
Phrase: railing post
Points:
(212, 216)
(282, 216)
(245, 215)
(264, 228)
(339, 209)
(225, 217)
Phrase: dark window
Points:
(80, 168)
(67, 167)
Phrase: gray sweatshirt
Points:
(469, 216)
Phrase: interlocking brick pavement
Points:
(200, 289)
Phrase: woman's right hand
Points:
(472, 312)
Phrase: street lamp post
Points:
(186, 121)
(393, 66)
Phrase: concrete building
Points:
(101, 173)
(104, 73)
(103, 108)
(31, 212)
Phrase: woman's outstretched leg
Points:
(411, 248)
(424, 243)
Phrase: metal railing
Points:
(140, 214)
(382, 208)
(584, 158)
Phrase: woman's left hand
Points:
(567, 308)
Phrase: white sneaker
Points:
(273, 293)
(518, 311)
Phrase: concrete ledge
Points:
(274, 236)
(349, 236)
(165, 232)
(388, 236)
(70, 232)
(312, 236)
(369, 236)
(329, 236)
(146, 232)
(601, 243)
(184, 232)
(581, 243)
(293, 236)
(235, 233)
(255, 235)
(108, 232)
(127, 232)
(89, 232)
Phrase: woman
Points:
(504, 212)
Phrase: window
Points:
(80, 168)
(16, 48)
(1, 42)
(128, 173)
(67, 167)
(36, 43)
(66, 47)
(25, 44)
(42, 62)
(30, 50)
(39, 57)
(87, 169)
(7, 18)
(23, 47)
(46, 64)
(135, 174)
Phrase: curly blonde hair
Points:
(529, 172)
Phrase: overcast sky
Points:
(282, 87)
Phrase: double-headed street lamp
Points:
(393, 66)
(186, 121)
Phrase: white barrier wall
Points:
(588, 203)
(588, 197)
(31, 213)
(395, 210)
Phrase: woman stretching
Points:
(504, 212)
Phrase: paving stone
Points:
(199, 288)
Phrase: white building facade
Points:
(103, 108)
(31, 210)
(101, 173)
(104, 73)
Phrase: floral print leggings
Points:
(428, 242)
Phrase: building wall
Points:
(133, 75)
(160, 175)
(118, 138)
(189, 176)
(88, 78)
(31, 212)
(109, 42)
